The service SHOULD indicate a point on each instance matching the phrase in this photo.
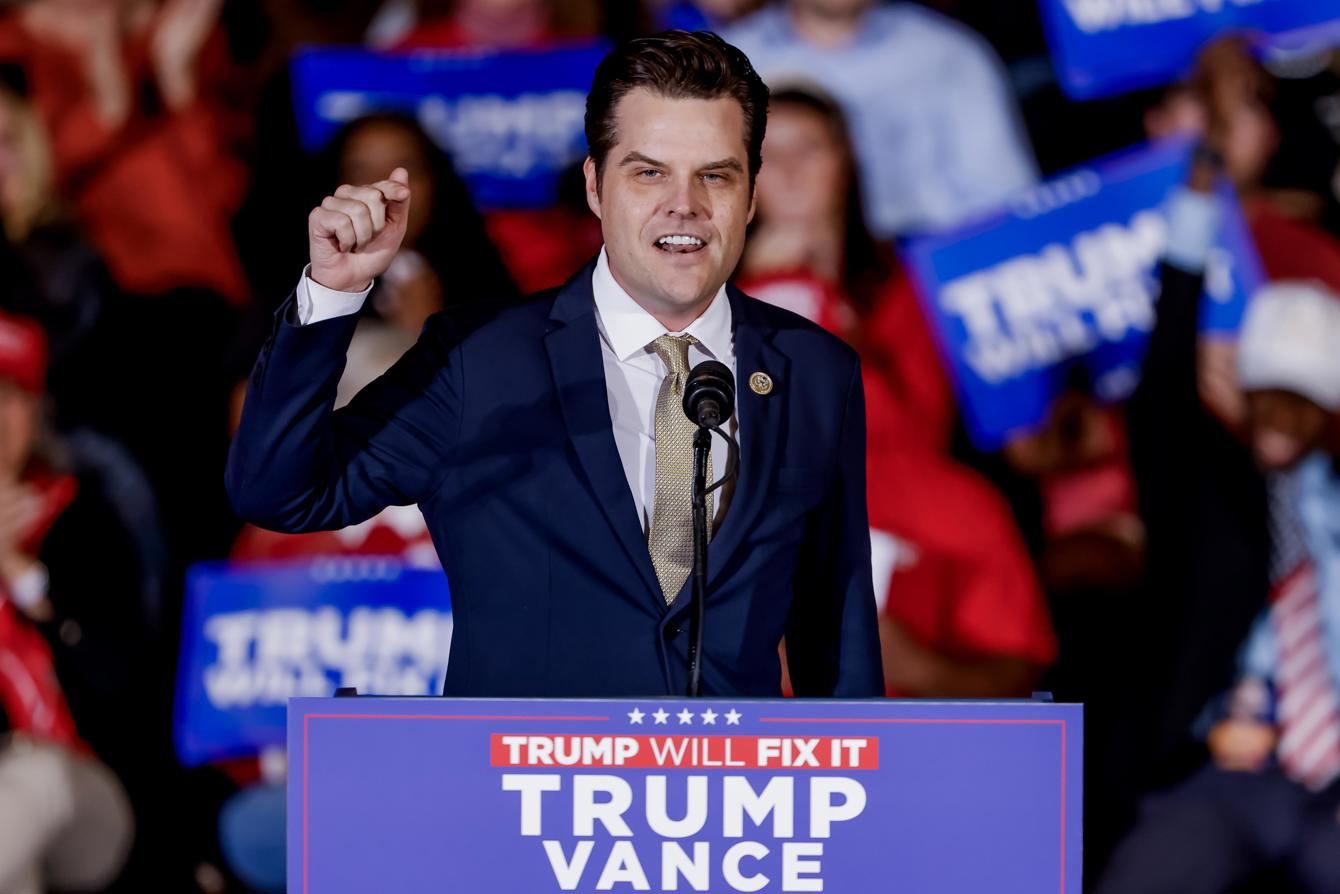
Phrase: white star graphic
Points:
(635, 716)
(733, 717)
(685, 716)
(709, 717)
(660, 716)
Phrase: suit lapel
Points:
(574, 350)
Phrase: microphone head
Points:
(709, 394)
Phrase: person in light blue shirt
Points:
(936, 128)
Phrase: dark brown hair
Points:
(676, 65)
(867, 262)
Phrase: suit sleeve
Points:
(832, 638)
(296, 465)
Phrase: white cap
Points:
(1291, 341)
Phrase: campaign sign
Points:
(254, 636)
(432, 795)
(1103, 47)
(511, 121)
(1066, 275)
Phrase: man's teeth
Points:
(679, 240)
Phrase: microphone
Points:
(709, 401)
(709, 394)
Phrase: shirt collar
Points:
(629, 329)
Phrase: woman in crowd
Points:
(446, 258)
(962, 614)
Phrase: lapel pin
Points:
(760, 383)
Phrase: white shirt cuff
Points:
(316, 303)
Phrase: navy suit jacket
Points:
(496, 423)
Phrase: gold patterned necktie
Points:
(671, 539)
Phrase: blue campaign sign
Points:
(1102, 47)
(1067, 275)
(254, 636)
(421, 796)
(512, 122)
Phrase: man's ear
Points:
(753, 202)
(592, 185)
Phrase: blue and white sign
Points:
(512, 122)
(1067, 275)
(254, 636)
(1103, 47)
(425, 796)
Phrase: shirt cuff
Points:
(1193, 227)
(316, 303)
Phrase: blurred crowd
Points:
(152, 198)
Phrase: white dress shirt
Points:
(633, 371)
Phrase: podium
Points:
(470, 796)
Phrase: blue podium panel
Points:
(467, 795)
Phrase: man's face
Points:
(674, 200)
(1284, 427)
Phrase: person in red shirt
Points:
(131, 93)
(65, 817)
(961, 610)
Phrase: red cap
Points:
(23, 352)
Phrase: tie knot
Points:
(674, 350)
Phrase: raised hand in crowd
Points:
(180, 33)
(92, 29)
(354, 234)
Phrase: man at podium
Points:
(546, 443)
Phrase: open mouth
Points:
(680, 244)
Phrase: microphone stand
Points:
(702, 446)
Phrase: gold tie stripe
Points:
(671, 538)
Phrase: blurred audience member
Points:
(1228, 100)
(1080, 463)
(132, 95)
(811, 252)
(932, 118)
(961, 611)
(503, 25)
(1270, 794)
(51, 273)
(70, 626)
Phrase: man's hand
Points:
(354, 234)
(1241, 745)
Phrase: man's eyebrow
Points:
(729, 163)
(639, 158)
